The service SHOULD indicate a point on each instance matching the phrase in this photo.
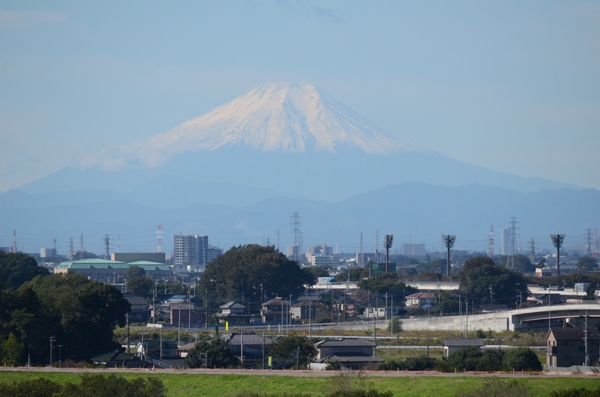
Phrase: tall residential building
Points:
(505, 241)
(413, 249)
(190, 251)
(212, 253)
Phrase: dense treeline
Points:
(242, 270)
(80, 314)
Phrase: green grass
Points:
(183, 385)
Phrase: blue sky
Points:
(512, 85)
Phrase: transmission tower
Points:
(513, 243)
(277, 240)
(106, 240)
(532, 250)
(159, 237)
(71, 248)
(377, 245)
(361, 243)
(557, 240)
(14, 244)
(268, 241)
(588, 246)
(596, 243)
(119, 243)
(81, 251)
(296, 234)
(491, 243)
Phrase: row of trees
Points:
(80, 314)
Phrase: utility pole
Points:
(52, 340)
(587, 356)
(60, 351)
(128, 346)
(557, 240)
(449, 240)
(389, 239)
(467, 319)
(491, 296)
(206, 309)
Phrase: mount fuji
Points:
(282, 139)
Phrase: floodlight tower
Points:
(557, 240)
(449, 240)
(159, 237)
(389, 239)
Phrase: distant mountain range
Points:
(238, 172)
(422, 210)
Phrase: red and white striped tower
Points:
(159, 237)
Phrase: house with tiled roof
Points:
(353, 353)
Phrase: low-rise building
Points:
(566, 347)
(351, 353)
(452, 344)
(111, 271)
(234, 313)
(275, 311)
(304, 310)
(419, 299)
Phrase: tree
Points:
(436, 266)
(142, 286)
(315, 272)
(11, 351)
(134, 272)
(522, 358)
(80, 313)
(288, 346)
(383, 283)
(520, 263)
(446, 302)
(242, 269)
(16, 269)
(356, 274)
(506, 286)
(587, 264)
(211, 353)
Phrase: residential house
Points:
(234, 313)
(253, 346)
(304, 310)
(275, 311)
(419, 299)
(566, 346)
(379, 313)
(140, 309)
(452, 344)
(351, 353)
(117, 358)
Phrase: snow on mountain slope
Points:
(270, 117)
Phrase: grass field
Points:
(183, 385)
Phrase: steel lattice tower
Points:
(588, 246)
(532, 250)
(491, 243)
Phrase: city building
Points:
(212, 253)
(48, 253)
(156, 257)
(324, 260)
(413, 249)
(110, 271)
(190, 253)
(362, 258)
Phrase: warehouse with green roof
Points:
(104, 270)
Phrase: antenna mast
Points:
(106, 240)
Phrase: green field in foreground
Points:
(183, 385)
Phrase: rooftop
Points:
(572, 334)
(457, 342)
(86, 264)
(345, 342)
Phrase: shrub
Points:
(495, 387)
(522, 358)
(409, 364)
(581, 392)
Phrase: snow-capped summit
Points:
(274, 117)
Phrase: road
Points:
(300, 374)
